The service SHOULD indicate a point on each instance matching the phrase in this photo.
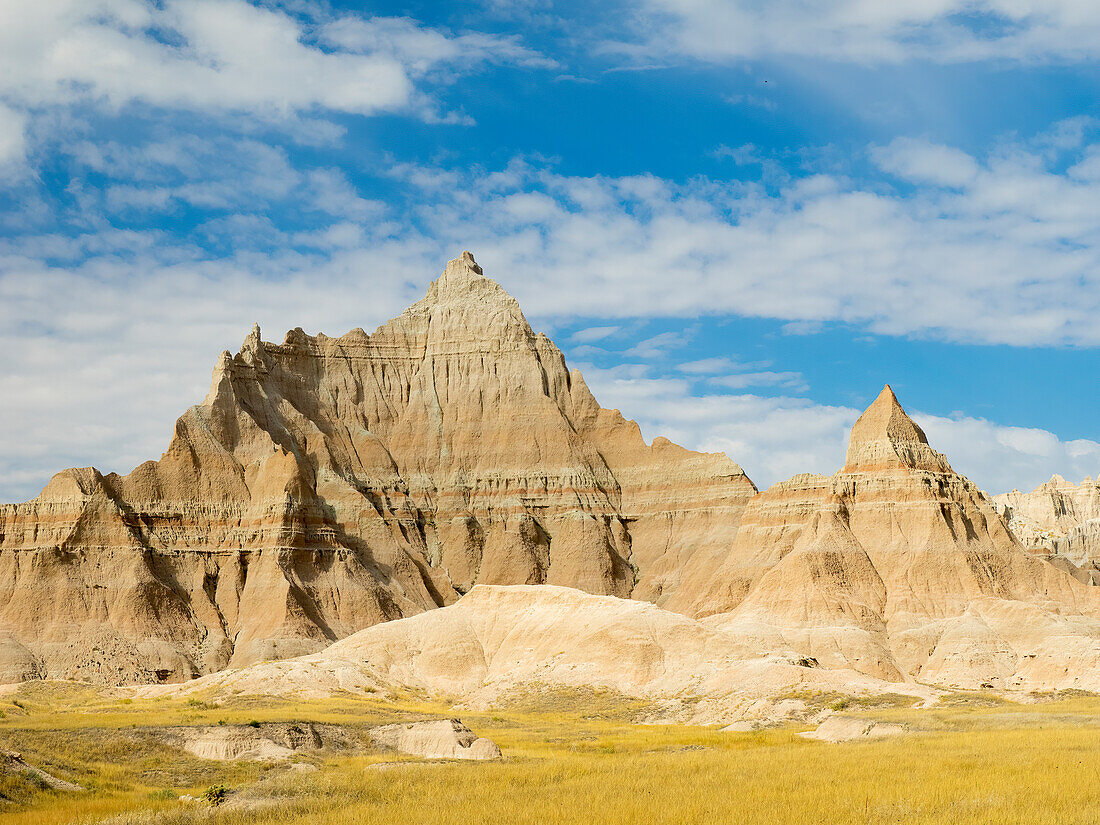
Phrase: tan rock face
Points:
(328, 484)
(1059, 518)
(899, 568)
(435, 739)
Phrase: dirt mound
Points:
(435, 739)
(259, 741)
(848, 729)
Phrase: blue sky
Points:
(738, 218)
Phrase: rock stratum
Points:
(899, 568)
(1060, 519)
(896, 574)
(329, 484)
(443, 506)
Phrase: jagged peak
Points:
(464, 280)
(885, 436)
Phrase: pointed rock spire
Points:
(886, 437)
(885, 419)
(463, 285)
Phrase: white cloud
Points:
(1001, 458)
(923, 162)
(1010, 256)
(775, 438)
(768, 378)
(13, 148)
(705, 366)
(227, 55)
(949, 31)
(658, 345)
(421, 49)
(592, 334)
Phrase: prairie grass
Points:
(973, 759)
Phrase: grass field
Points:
(974, 759)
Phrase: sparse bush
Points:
(215, 795)
(840, 704)
(253, 724)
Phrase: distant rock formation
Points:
(899, 568)
(1061, 519)
(329, 484)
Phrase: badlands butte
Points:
(443, 506)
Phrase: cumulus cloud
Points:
(773, 438)
(999, 249)
(948, 31)
(226, 55)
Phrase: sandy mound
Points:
(498, 641)
(847, 729)
(253, 742)
(435, 739)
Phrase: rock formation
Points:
(1061, 519)
(899, 568)
(434, 739)
(500, 642)
(329, 484)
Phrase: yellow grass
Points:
(973, 760)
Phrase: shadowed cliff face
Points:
(328, 484)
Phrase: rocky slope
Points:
(329, 484)
(899, 568)
(1061, 519)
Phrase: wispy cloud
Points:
(946, 31)
(768, 378)
(775, 437)
(592, 334)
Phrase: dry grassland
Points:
(974, 759)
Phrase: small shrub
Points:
(163, 793)
(840, 704)
(215, 795)
(253, 724)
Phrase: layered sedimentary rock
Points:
(329, 484)
(1061, 519)
(899, 568)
